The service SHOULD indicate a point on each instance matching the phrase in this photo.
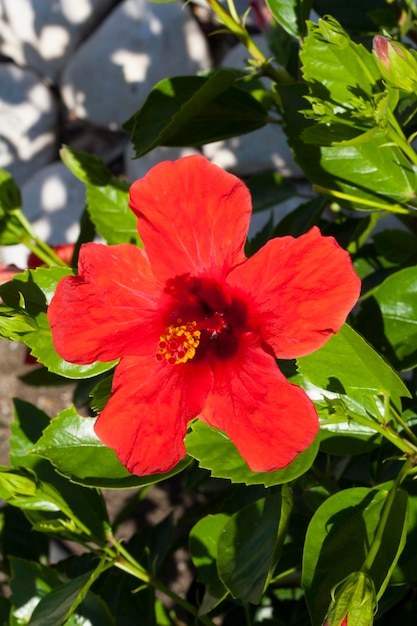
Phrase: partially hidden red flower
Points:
(197, 326)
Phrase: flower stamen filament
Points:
(179, 343)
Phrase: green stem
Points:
(36, 245)
(376, 543)
(372, 204)
(386, 431)
(127, 563)
(397, 135)
(236, 28)
(398, 418)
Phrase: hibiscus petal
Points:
(268, 419)
(192, 216)
(302, 289)
(109, 310)
(145, 420)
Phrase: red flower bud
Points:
(397, 63)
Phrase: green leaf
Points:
(100, 394)
(26, 428)
(21, 488)
(107, 197)
(214, 451)
(11, 230)
(110, 213)
(358, 154)
(74, 449)
(395, 245)
(302, 218)
(247, 548)
(291, 14)
(43, 597)
(88, 168)
(405, 571)
(269, 189)
(367, 374)
(389, 318)
(203, 541)
(346, 437)
(64, 600)
(29, 583)
(28, 295)
(327, 50)
(194, 110)
(20, 540)
(338, 540)
(74, 515)
(372, 174)
(83, 509)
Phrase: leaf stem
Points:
(398, 418)
(372, 204)
(235, 26)
(376, 544)
(396, 133)
(386, 431)
(126, 562)
(36, 245)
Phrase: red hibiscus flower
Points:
(197, 326)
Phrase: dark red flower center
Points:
(203, 318)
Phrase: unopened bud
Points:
(353, 602)
(396, 62)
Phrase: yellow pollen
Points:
(179, 343)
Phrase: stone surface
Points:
(53, 201)
(138, 45)
(136, 168)
(262, 150)
(28, 118)
(42, 34)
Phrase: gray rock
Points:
(28, 118)
(137, 168)
(138, 45)
(42, 34)
(263, 150)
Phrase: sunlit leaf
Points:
(28, 295)
(74, 449)
(194, 110)
(107, 197)
(389, 318)
(368, 373)
(214, 451)
(291, 14)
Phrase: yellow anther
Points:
(179, 343)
